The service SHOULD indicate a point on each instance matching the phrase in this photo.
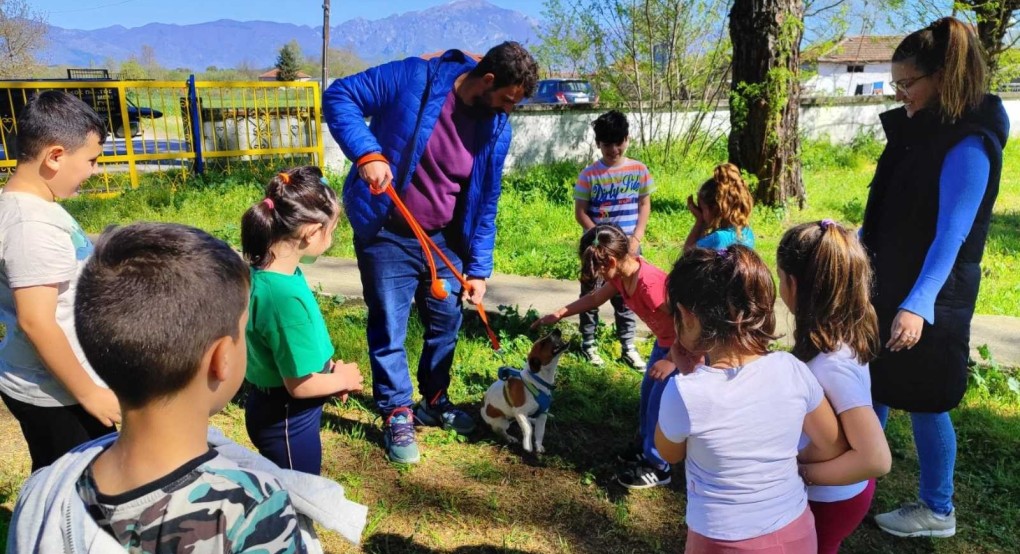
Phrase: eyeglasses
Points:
(904, 84)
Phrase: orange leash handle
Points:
(428, 246)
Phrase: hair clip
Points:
(826, 223)
(269, 202)
(284, 176)
(324, 182)
(723, 253)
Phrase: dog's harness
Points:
(542, 397)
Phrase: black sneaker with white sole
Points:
(644, 476)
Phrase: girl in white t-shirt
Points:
(825, 280)
(738, 420)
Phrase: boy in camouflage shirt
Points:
(160, 313)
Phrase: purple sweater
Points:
(445, 167)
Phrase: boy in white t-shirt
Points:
(44, 378)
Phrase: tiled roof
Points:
(272, 73)
(862, 49)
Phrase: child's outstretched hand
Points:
(350, 377)
(548, 319)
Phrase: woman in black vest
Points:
(925, 227)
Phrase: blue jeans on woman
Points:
(935, 440)
(395, 274)
(648, 408)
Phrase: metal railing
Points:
(164, 125)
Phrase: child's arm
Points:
(644, 210)
(698, 229)
(587, 302)
(37, 316)
(342, 379)
(868, 456)
(581, 214)
(672, 452)
(827, 440)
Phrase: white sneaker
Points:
(915, 519)
(591, 353)
(631, 357)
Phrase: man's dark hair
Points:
(151, 301)
(511, 64)
(56, 118)
(611, 127)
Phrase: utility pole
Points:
(325, 41)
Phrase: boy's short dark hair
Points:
(151, 301)
(511, 64)
(611, 127)
(56, 118)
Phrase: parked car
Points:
(564, 91)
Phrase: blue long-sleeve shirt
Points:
(962, 186)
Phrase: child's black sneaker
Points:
(644, 476)
(634, 455)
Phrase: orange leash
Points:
(439, 286)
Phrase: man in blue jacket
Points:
(439, 134)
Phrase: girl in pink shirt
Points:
(605, 256)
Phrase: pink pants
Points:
(834, 521)
(798, 537)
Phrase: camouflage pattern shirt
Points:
(208, 505)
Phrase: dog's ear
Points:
(534, 364)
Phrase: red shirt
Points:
(648, 296)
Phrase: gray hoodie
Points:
(50, 517)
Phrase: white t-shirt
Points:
(742, 427)
(40, 244)
(847, 385)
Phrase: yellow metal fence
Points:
(164, 125)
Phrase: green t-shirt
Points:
(286, 334)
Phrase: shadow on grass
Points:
(1005, 230)
(388, 543)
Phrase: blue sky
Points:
(94, 14)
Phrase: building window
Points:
(855, 69)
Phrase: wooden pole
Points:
(325, 41)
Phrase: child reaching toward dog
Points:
(721, 212)
(825, 279)
(606, 256)
(290, 364)
(738, 419)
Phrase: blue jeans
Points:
(285, 429)
(935, 440)
(394, 273)
(648, 409)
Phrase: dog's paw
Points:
(511, 439)
(539, 449)
(527, 447)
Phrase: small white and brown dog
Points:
(524, 395)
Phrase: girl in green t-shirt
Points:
(290, 365)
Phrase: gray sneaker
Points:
(915, 519)
(591, 353)
(631, 357)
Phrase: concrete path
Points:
(340, 277)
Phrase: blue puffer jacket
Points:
(391, 95)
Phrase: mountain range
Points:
(472, 25)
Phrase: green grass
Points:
(537, 234)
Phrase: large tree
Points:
(22, 34)
(994, 20)
(765, 96)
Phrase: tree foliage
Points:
(289, 62)
(22, 35)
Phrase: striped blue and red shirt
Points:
(612, 193)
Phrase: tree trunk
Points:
(765, 96)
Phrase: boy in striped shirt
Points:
(615, 189)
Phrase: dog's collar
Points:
(542, 397)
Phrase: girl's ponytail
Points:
(598, 245)
(294, 198)
(727, 193)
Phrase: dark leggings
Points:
(51, 431)
(285, 429)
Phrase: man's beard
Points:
(482, 108)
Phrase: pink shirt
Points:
(648, 296)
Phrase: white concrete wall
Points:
(833, 79)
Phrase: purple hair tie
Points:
(723, 253)
(269, 203)
(826, 223)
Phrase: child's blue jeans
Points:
(285, 429)
(651, 397)
(935, 440)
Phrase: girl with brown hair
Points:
(825, 280)
(925, 227)
(722, 211)
(738, 419)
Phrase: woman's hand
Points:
(906, 331)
